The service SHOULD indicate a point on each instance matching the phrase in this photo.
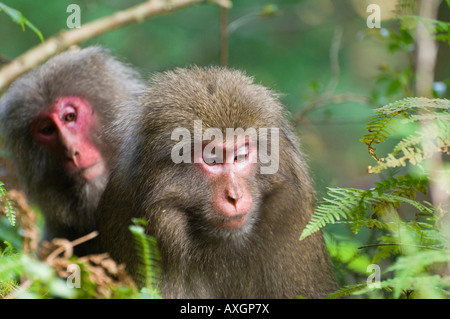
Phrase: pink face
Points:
(65, 129)
(229, 177)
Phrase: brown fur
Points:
(68, 204)
(267, 261)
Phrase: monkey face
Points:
(65, 129)
(230, 169)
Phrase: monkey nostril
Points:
(232, 200)
(233, 197)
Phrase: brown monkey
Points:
(52, 120)
(225, 228)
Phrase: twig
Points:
(73, 243)
(323, 101)
(66, 39)
(327, 96)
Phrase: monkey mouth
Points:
(93, 171)
(87, 173)
(231, 223)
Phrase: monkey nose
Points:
(233, 196)
(73, 156)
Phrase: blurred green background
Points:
(288, 51)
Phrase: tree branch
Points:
(65, 39)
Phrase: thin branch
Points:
(328, 95)
(323, 101)
(72, 244)
(66, 39)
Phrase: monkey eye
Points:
(240, 158)
(241, 154)
(47, 130)
(70, 117)
(210, 160)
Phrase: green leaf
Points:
(148, 253)
(18, 18)
(269, 10)
(8, 207)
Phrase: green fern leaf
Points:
(347, 291)
(410, 149)
(7, 206)
(346, 203)
(382, 121)
(148, 253)
(340, 205)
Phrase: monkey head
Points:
(216, 181)
(53, 120)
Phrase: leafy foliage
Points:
(148, 253)
(416, 245)
(347, 291)
(7, 206)
(440, 29)
(41, 278)
(412, 110)
(351, 203)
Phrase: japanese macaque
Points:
(53, 120)
(213, 166)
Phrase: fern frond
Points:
(7, 206)
(411, 274)
(347, 203)
(341, 203)
(148, 253)
(402, 185)
(382, 121)
(347, 291)
(379, 130)
(410, 149)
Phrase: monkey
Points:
(53, 120)
(224, 227)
